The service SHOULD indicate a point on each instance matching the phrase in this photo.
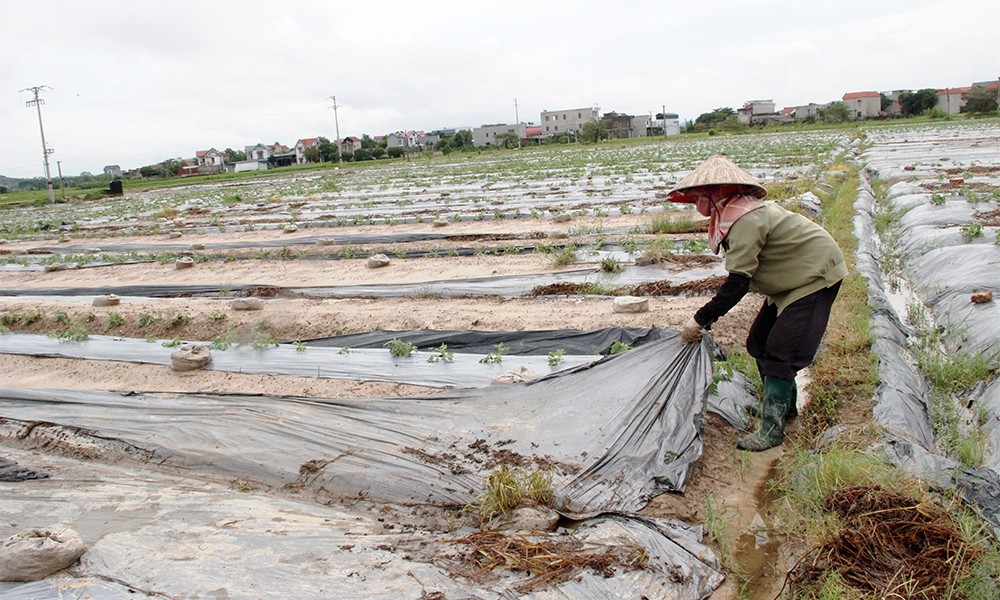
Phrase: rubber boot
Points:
(793, 410)
(778, 395)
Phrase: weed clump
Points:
(508, 488)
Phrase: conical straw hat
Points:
(716, 170)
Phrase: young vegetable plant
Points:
(618, 348)
(398, 347)
(441, 354)
(497, 355)
(556, 356)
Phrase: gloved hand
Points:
(691, 331)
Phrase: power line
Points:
(46, 151)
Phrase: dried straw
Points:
(890, 544)
(548, 560)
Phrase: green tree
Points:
(915, 103)
(394, 152)
(312, 154)
(980, 100)
(378, 152)
(362, 154)
(884, 101)
(506, 140)
(591, 132)
(234, 155)
(716, 117)
(462, 140)
(328, 151)
(367, 143)
(835, 112)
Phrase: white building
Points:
(209, 161)
(670, 124)
(487, 134)
(300, 149)
(863, 105)
(952, 100)
(556, 122)
(808, 110)
(754, 108)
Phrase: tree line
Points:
(978, 101)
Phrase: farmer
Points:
(780, 254)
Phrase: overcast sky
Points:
(134, 82)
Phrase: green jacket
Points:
(785, 255)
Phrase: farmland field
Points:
(518, 242)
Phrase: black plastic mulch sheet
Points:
(572, 341)
(506, 286)
(613, 435)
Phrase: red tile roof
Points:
(950, 91)
(854, 95)
(308, 142)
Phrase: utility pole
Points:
(62, 184)
(663, 121)
(517, 125)
(336, 122)
(46, 151)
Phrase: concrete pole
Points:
(46, 151)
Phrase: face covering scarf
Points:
(723, 213)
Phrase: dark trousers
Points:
(785, 344)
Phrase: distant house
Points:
(264, 151)
(532, 133)
(806, 111)
(952, 100)
(284, 158)
(210, 161)
(863, 105)
(557, 122)
(486, 135)
(428, 140)
(190, 167)
(670, 124)
(620, 125)
(113, 170)
(753, 111)
(349, 144)
(300, 149)
(403, 139)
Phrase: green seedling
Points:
(400, 348)
(441, 354)
(496, 356)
